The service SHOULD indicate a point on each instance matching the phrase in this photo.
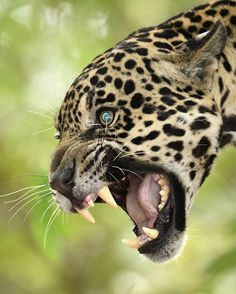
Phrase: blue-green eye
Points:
(106, 117)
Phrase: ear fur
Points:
(203, 50)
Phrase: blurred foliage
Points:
(43, 47)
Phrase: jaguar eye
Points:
(57, 136)
(106, 117)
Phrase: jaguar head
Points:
(139, 128)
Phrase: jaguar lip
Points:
(104, 193)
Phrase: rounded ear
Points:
(203, 50)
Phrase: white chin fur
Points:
(171, 249)
(63, 202)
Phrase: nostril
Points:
(63, 183)
(66, 176)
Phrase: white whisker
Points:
(133, 173)
(93, 125)
(131, 153)
(40, 114)
(119, 169)
(25, 194)
(49, 108)
(42, 131)
(22, 208)
(114, 177)
(22, 189)
(63, 218)
(122, 150)
(50, 222)
(25, 198)
(66, 215)
(46, 210)
(117, 156)
(28, 213)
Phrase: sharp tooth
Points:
(106, 195)
(160, 206)
(166, 188)
(156, 177)
(135, 243)
(86, 214)
(152, 233)
(91, 203)
(164, 197)
(162, 182)
(163, 194)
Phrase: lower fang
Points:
(135, 243)
(86, 214)
(151, 233)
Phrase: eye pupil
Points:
(106, 117)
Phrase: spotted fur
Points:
(172, 88)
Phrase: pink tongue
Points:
(142, 200)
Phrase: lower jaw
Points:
(167, 245)
(170, 247)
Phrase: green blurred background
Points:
(43, 47)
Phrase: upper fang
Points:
(106, 195)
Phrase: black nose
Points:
(63, 183)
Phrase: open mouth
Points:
(148, 199)
(153, 198)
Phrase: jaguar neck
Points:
(225, 90)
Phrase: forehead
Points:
(115, 72)
(121, 78)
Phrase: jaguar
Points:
(142, 125)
